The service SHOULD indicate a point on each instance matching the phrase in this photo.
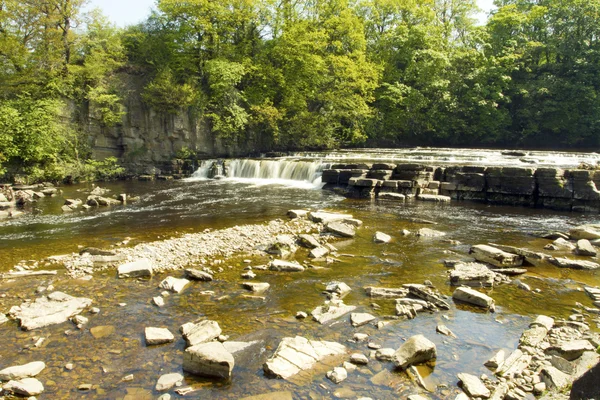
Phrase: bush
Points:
(106, 170)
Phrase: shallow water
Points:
(168, 209)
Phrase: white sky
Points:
(130, 12)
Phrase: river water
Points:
(255, 192)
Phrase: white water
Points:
(302, 174)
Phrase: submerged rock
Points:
(417, 349)
(22, 371)
(297, 354)
(199, 332)
(208, 359)
(52, 309)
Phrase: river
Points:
(256, 191)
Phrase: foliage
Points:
(164, 94)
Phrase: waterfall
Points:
(289, 172)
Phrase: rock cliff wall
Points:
(572, 190)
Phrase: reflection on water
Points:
(167, 209)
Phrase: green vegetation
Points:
(282, 75)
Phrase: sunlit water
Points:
(170, 209)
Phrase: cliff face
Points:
(146, 138)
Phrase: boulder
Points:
(331, 310)
(141, 268)
(25, 387)
(585, 248)
(574, 264)
(173, 284)
(496, 257)
(52, 309)
(208, 359)
(341, 229)
(256, 287)
(586, 386)
(22, 371)
(155, 336)
(472, 274)
(589, 232)
(473, 386)
(199, 332)
(297, 354)
(198, 275)
(417, 349)
(285, 266)
(472, 296)
(168, 381)
(360, 319)
(381, 237)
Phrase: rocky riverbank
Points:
(551, 354)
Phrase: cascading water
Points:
(287, 172)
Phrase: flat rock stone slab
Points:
(52, 309)
(417, 349)
(168, 381)
(496, 257)
(360, 319)
(25, 387)
(326, 217)
(434, 198)
(473, 386)
(589, 232)
(173, 284)
(472, 296)
(285, 266)
(208, 359)
(155, 336)
(341, 229)
(22, 371)
(386, 293)
(472, 274)
(330, 311)
(297, 354)
(142, 268)
(308, 241)
(429, 233)
(574, 264)
(571, 350)
(514, 364)
(199, 332)
(318, 252)
(198, 275)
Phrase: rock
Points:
(461, 396)
(318, 252)
(158, 301)
(173, 284)
(341, 229)
(575, 264)
(473, 386)
(381, 237)
(417, 349)
(301, 315)
(284, 246)
(496, 257)
(562, 243)
(360, 319)
(331, 310)
(256, 287)
(585, 248)
(99, 332)
(337, 375)
(496, 361)
(539, 388)
(434, 197)
(472, 274)
(208, 359)
(385, 354)
(52, 309)
(137, 269)
(428, 294)
(386, 293)
(285, 266)
(570, 350)
(297, 213)
(3, 318)
(168, 381)
(25, 387)
(67, 209)
(589, 232)
(553, 378)
(531, 257)
(533, 336)
(22, 371)
(353, 221)
(543, 320)
(198, 275)
(429, 233)
(515, 364)
(297, 354)
(248, 275)
(522, 285)
(472, 296)
(359, 359)
(283, 395)
(308, 241)
(156, 336)
(325, 217)
(339, 288)
(586, 386)
(444, 330)
(391, 196)
(199, 332)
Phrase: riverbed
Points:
(170, 209)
